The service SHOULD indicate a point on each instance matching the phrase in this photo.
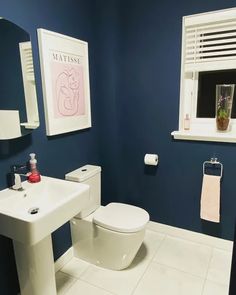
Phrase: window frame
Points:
(203, 129)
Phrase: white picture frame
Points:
(65, 80)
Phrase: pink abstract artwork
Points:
(68, 90)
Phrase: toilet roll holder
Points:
(151, 159)
(213, 161)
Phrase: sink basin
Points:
(31, 215)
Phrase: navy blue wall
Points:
(59, 154)
(108, 49)
(147, 102)
(134, 71)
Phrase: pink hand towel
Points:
(210, 198)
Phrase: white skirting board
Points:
(63, 259)
(191, 236)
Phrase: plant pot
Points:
(224, 102)
(222, 124)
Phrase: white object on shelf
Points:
(29, 125)
(187, 122)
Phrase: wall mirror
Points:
(18, 100)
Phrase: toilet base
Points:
(103, 247)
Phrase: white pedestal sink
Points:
(53, 202)
(35, 267)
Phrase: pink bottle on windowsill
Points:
(34, 175)
(187, 122)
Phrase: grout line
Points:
(192, 240)
(208, 266)
(189, 241)
(222, 284)
(75, 276)
(158, 248)
(179, 234)
(228, 251)
(150, 261)
(141, 277)
(148, 264)
(209, 262)
(79, 279)
(84, 271)
(183, 271)
(67, 289)
(76, 279)
(97, 286)
(63, 259)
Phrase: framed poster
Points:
(65, 79)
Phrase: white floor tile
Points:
(84, 288)
(163, 280)
(152, 242)
(184, 255)
(63, 282)
(75, 267)
(118, 282)
(212, 288)
(220, 267)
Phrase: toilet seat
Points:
(121, 217)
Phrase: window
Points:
(208, 59)
(207, 82)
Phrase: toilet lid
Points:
(121, 217)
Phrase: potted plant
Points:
(224, 99)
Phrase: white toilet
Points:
(108, 236)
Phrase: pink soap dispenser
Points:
(34, 175)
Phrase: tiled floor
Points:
(170, 262)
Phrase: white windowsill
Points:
(201, 136)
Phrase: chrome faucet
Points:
(14, 177)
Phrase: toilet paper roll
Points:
(151, 159)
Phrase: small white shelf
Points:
(201, 136)
(29, 125)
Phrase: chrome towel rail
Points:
(213, 161)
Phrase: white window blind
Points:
(210, 46)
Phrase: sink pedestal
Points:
(35, 267)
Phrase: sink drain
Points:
(33, 210)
